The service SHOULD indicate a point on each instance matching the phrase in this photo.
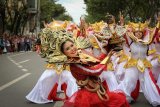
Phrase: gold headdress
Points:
(97, 27)
(51, 42)
(57, 25)
(138, 26)
(116, 40)
(148, 36)
(115, 33)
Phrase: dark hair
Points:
(109, 19)
(62, 45)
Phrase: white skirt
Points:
(120, 71)
(158, 81)
(39, 94)
(147, 85)
(149, 88)
(129, 82)
(155, 68)
(66, 77)
(110, 79)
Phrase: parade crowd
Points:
(17, 43)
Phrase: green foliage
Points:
(131, 9)
(50, 10)
(64, 17)
(15, 16)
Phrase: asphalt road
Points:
(19, 72)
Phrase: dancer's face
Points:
(138, 34)
(69, 49)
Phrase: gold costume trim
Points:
(105, 60)
(57, 69)
(110, 66)
(152, 51)
(93, 84)
(141, 64)
(156, 56)
(122, 57)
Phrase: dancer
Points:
(56, 75)
(138, 68)
(113, 34)
(154, 57)
(86, 69)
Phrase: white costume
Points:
(138, 69)
(154, 57)
(121, 59)
(47, 81)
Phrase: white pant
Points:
(110, 79)
(146, 83)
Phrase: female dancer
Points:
(138, 68)
(56, 75)
(86, 69)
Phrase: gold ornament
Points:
(52, 38)
(141, 64)
(51, 41)
(138, 26)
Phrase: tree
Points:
(2, 14)
(50, 10)
(131, 9)
(97, 9)
(16, 15)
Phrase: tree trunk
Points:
(24, 24)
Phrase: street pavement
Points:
(19, 73)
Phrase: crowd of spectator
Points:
(17, 43)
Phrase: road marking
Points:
(14, 81)
(25, 70)
(23, 61)
(59, 103)
(16, 55)
(12, 60)
(16, 64)
(9, 57)
(20, 66)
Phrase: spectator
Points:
(38, 44)
(1, 46)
